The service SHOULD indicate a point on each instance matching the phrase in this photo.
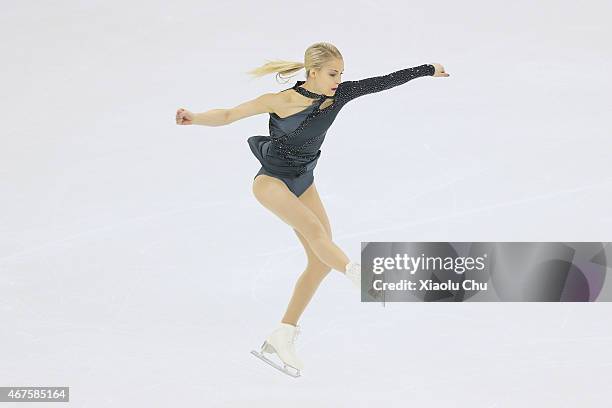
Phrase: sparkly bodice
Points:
(303, 91)
(293, 145)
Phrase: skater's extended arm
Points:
(213, 117)
(354, 89)
(262, 104)
(220, 117)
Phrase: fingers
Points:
(440, 70)
(184, 117)
(179, 116)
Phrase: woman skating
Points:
(299, 119)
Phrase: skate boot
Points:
(353, 272)
(282, 343)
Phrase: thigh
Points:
(311, 199)
(273, 194)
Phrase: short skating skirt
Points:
(296, 183)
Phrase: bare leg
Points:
(316, 270)
(306, 286)
(273, 194)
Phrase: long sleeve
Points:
(354, 89)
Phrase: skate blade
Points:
(259, 355)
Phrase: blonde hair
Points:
(315, 57)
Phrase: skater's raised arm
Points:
(350, 90)
(220, 117)
(214, 117)
(262, 104)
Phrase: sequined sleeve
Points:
(354, 89)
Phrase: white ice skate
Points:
(353, 272)
(282, 343)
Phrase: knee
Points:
(316, 271)
(319, 238)
(314, 231)
(318, 266)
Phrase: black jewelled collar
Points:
(307, 93)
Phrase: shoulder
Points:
(268, 101)
(276, 100)
(262, 104)
(344, 88)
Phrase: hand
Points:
(184, 117)
(439, 70)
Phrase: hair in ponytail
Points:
(314, 58)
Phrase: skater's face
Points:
(327, 79)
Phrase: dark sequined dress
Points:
(291, 151)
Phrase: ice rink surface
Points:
(137, 267)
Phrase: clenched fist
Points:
(184, 117)
(439, 70)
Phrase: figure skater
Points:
(299, 119)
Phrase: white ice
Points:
(137, 267)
